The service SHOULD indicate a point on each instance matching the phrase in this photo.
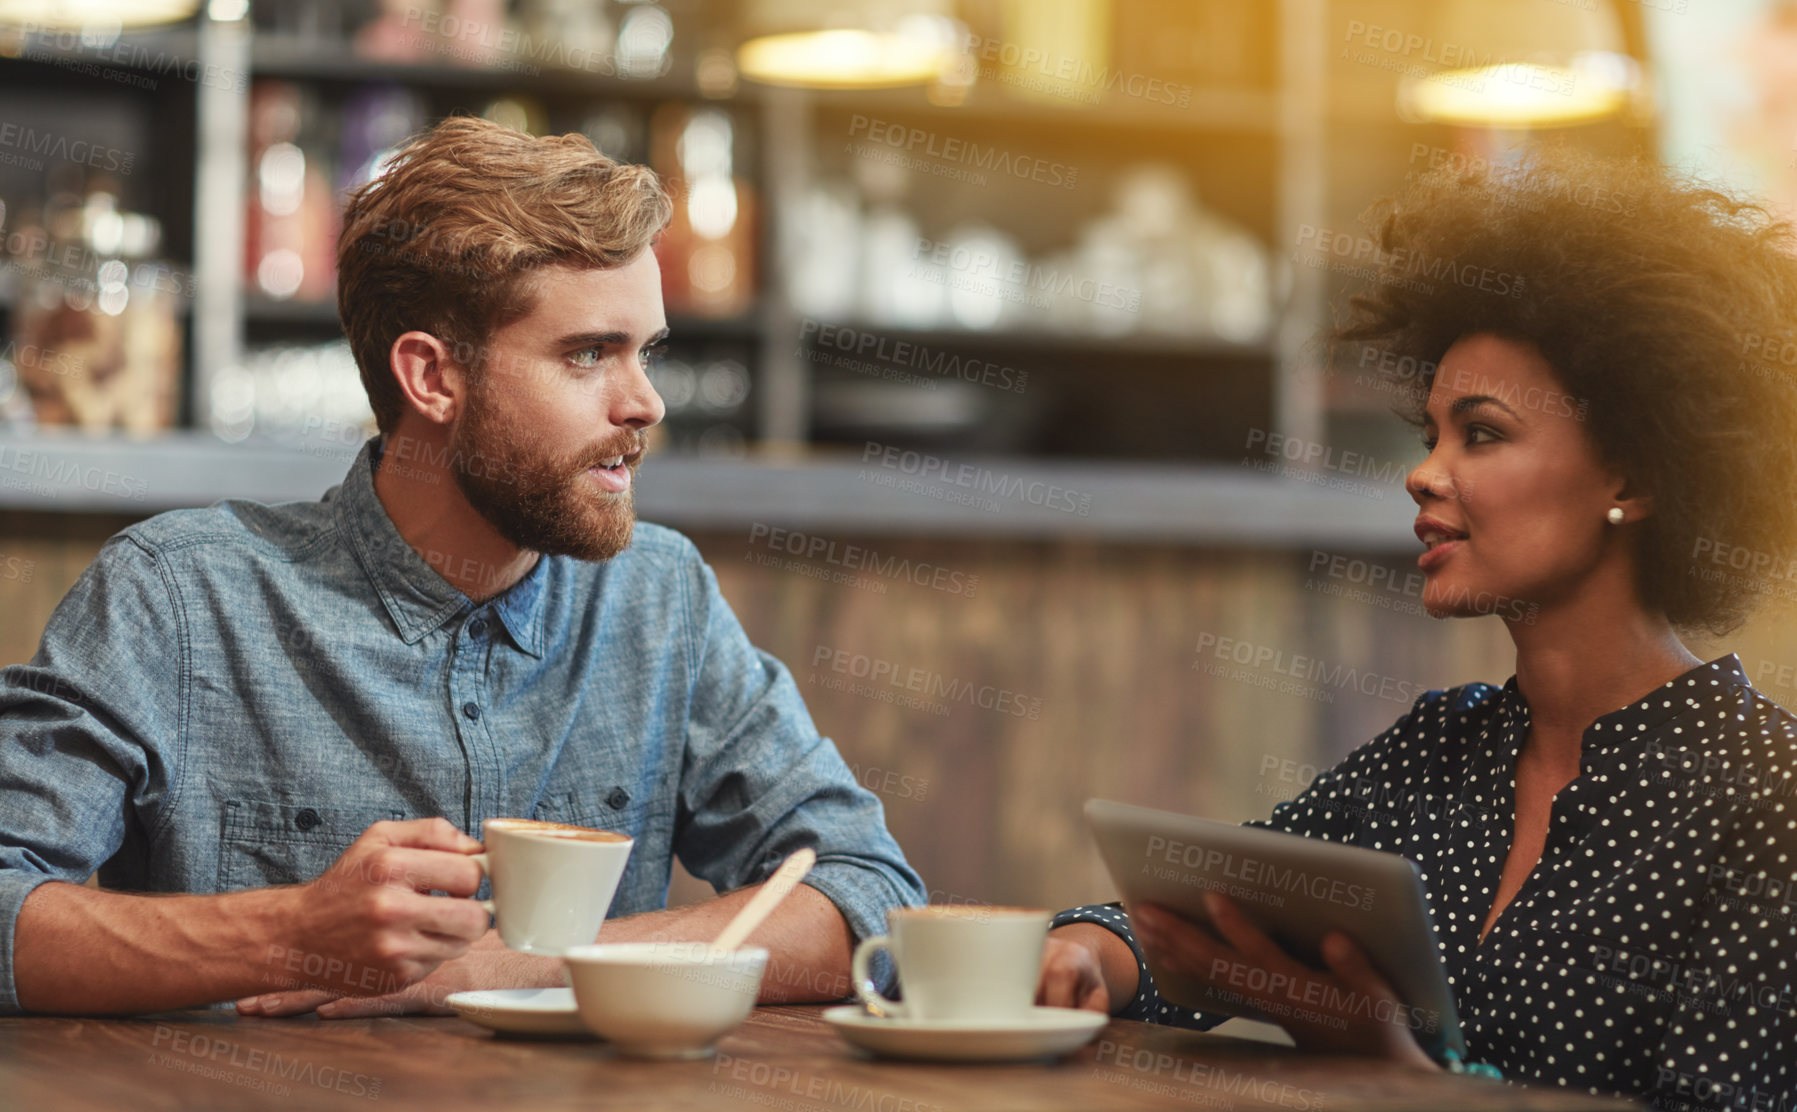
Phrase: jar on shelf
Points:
(96, 330)
(707, 252)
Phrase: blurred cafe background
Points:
(994, 391)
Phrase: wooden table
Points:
(782, 1059)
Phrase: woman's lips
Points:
(1439, 540)
(1432, 557)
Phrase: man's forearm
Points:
(79, 950)
(85, 951)
(807, 939)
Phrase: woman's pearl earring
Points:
(1615, 515)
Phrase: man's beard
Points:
(539, 501)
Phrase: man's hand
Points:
(365, 927)
(806, 936)
(1348, 1009)
(368, 926)
(489, 963)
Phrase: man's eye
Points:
(587, 357)
(651, 356)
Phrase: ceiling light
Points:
(843, 59)
(1523, 64)
(833, 44)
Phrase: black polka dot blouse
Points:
(1651, 951)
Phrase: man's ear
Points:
(430, 378)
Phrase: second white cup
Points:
(960, 963)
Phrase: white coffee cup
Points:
(960, 963)
(664, 999)
(552, 883)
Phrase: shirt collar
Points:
(1705, 686)
(1720, 681)
(520, 609)
(416, 597)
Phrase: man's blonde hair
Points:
(446, 240)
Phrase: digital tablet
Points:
(1296, 889)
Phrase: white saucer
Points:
(522, 1011)
(1044, 1033)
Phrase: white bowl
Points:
(664, 999)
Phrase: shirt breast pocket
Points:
(263, 843)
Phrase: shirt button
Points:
(477, 628)
(617, 799)
(306, 818)
(471, 711)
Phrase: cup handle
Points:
(864, 984)
(486, 870)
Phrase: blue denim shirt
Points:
(228, 697)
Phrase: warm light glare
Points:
(711, 207)
(644, 42)
(1514, 95)
(842, 59)
(78, 14)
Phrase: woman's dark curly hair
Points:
(1668, 306)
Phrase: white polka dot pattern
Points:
(1650, 953)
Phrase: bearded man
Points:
(278, 730)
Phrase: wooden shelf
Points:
(1214, 109)
(311, 59)
(169, 52)
(269, 310)
(1218, 505)
(323, 314)
(1044, 341)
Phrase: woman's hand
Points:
(1071, 977)
(1348, 1009)
(1086, 966)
